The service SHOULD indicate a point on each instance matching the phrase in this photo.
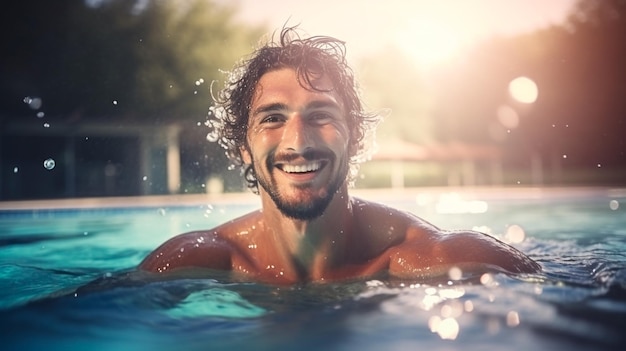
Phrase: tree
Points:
(121, 63)
(577, 67)
(130, 60)
(395, 86)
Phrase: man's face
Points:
(297, 143)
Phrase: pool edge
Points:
(371, 194)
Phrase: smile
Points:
(302, 168)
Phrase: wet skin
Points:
(309, 229)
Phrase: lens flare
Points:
(524, 90)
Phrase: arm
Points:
(433, 254)
(195, 249)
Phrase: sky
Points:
(429, 30)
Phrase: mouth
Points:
(304, 168)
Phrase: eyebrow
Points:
(321, 104)
(276, 106)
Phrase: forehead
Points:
(282, 85)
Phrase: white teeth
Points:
(309, 167)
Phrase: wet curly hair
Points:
(310, 58)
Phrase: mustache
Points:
(308, 154)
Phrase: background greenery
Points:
(127, 63)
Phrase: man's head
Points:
(310, 58)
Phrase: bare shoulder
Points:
(385, 219)
(381, 215)
(417, 248)
(434, 253)
(212, 249)
(382, 227)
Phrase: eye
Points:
(274, 118)
(321, 117)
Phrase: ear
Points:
(245, 154)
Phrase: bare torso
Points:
(374, 240)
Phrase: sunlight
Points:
(429, 42)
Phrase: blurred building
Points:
(88, 159)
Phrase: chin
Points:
(309, 209)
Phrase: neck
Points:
(312, 245)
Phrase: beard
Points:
(311, 203)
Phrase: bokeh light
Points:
(524, 90)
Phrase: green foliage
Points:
(391, 81)
(135, 60)
(571, 129)
(118, 64)
(578, 70)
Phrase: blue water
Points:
(66, 283)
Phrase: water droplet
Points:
(468, 306)
(40, 114)
(32, 102)
(448, 328)
(46, 125)
(455, 273)
(487, 279)
(614, 205)
(212, 137)
(144, 178)
(15, 169)
(512, 319)
(564, 156)
(515, 234)
(114, 102)
(49, 164)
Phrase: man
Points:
(292, 118)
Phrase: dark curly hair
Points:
(310, 58)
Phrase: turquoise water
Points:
(66, 283)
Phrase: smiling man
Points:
(291, 116)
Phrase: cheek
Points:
(259, 146)
(340, 137)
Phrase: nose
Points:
(297, 135)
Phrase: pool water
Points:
(66, 283)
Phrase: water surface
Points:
(64, 283)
